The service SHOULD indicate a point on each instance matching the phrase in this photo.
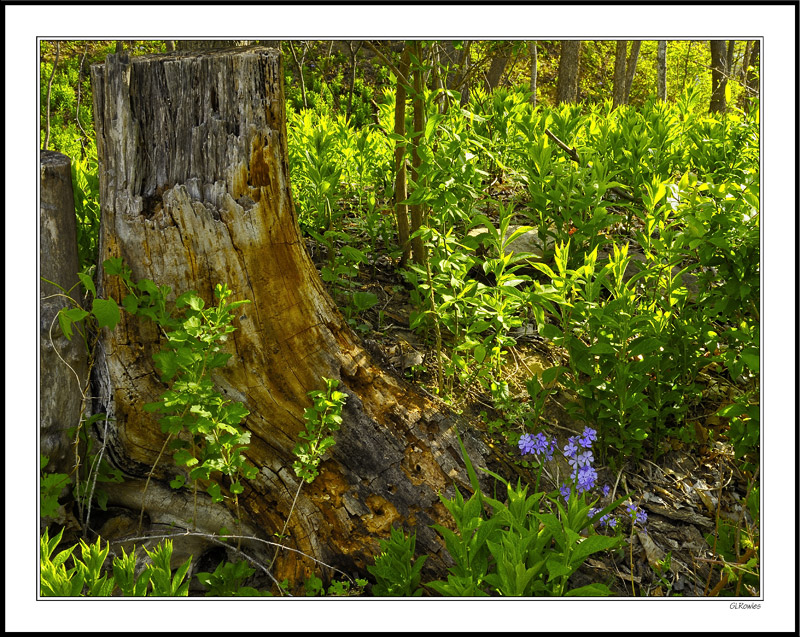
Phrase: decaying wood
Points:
(194, 187)
(62, 363)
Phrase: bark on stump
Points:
(60, 386)
(194, 187)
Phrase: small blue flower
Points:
(589, 436)
(638, 516)
(587, 477)
(538, 444)
(570, 449)
(608, 520)
(585, 459)
(606, 490)
(526, 444)
(565, 492)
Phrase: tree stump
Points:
(62, 363)
(194, 185)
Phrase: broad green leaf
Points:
(592, 544)
(550, 332)
(113, 267)
(590, 590)
(87, 283)
(106, 311)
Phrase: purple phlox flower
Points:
(570, 449)
(587, 477)
(526, 444)
(608, 520)
(638, 516)
(550, 449)
(537, 444)
(585, 459)
(606, 490)
(589, 436)
(565, 492)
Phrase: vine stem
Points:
(147, 482)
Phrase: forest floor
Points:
(694, 494)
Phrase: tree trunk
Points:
(61, 388)
(753, 74)
(534, 70)
(619, 72)
(400, 181)
(464, 80)
(632, 59)
(718, 76)
(496, 69)
(661, 70)
(567, 89)
(418, 104)
(194, 186)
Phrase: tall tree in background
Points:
(418, 105)
(353, 47)
(619, 72)
(631, 70)
(719, 76)
(400, 182)
(661, 70)
(752, 74)
(497, 66)
(532, 50)
(568, 67)
(624, 70)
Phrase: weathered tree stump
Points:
(62, 363)
(194, 187)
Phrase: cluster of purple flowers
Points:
(578, 452)
(638, 516)
(538, 445)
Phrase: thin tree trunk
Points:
(568, 67)
(400, 183)
(686, 66)
(418, 102)
(662, 70)
(632, 59)
(619, 72)
(718, 76)
(194, 187)
(353, 53)
(495, 71)
(729, 58)
(464, 81)
(299, 65)
(532, 49)
(753, 73)
(49, 91)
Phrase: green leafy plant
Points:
(227, 580)
(87, 576)
(321, 420)
(396, 572)
(521, 548)
(314, 587)
(50, 485)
